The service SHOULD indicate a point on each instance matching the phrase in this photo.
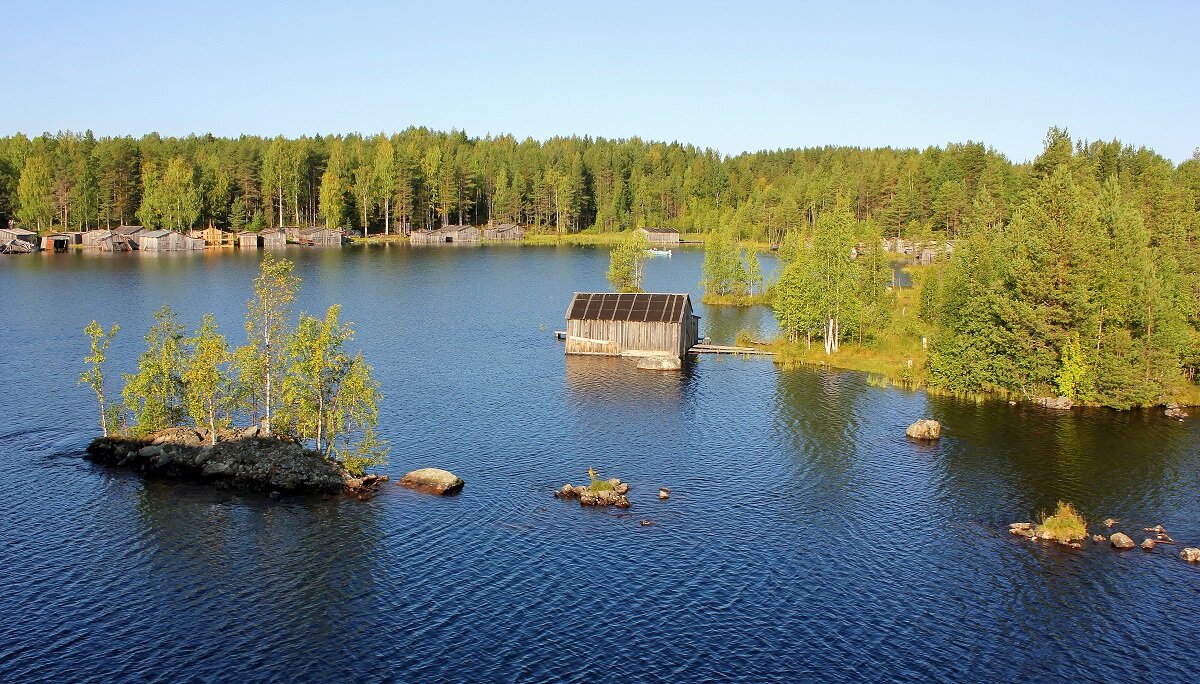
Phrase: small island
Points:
(312, 406)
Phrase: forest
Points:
(1077, 273)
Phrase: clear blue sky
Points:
(729, 75)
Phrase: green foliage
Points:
(206, 386)
(1074, 370)
(626, 262)
(1065, 525)
(93, 377)
(35, 193)
(172, 200)
(259, 364)
(154, 395)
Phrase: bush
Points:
(1065, 525)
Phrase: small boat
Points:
(659, 252)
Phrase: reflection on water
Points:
(800, 514)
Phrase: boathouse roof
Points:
(646, 307)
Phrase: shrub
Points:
(1065, 525)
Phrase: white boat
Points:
(659, 252)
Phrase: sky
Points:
(732, 76)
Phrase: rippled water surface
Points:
(805, 539)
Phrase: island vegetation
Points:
(297, 383)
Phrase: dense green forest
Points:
(1077, 273)
(422, 178)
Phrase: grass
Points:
(1066, 525)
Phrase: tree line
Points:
(1084, 284)
(295, 381)
(420, 178)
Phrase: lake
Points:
(805, 538)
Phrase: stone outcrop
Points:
(1056, 403)
(1120, 540)
(660, 363)
(1190, 555)
(433, 481)
(245, 463)
(1175, 412)
(611, 492)
(925, 429)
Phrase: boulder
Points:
(1175, 412)
(664, 493)
(1099, 539)
(1056, 403)
(660, 363)
(924, 429)
(183, 436)
(433, 480)
(1120, 540)
(1190, 555)
(609, 495)
(1148, 545)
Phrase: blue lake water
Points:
(805, 539)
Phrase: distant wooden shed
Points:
(56, 243)
(272, 239)
(248, 239)
(445, 235)
(12, 233)
(130, 232)
(115, 242)
(321, 237)
(631, 324)
(504, 231)
(162, 241)
(661, 236)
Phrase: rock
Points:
(924, 429)
(622, 488)
(275, 496)
(645, 523)
(1190, 555)
(1020, 526)
(1175, 412)
(183, 436)
(659, 363)
(150, 451)
(1056, 403)
(433, 480)
(1148, 545)
(1121, 540)
(1073, 545)
(252, 431)
(1099, 539)
(1109, 522)
(664, 493)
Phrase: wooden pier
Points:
(723, 349)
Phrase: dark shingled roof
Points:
(639, 306)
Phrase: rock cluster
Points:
(433, 481)
(263, 464)
(1190, 555)
(924, 429)
(1175, 412)
(1056, 403)
(611, 492)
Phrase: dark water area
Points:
(806, 538)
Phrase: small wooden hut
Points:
(115, 242)
(631, 324)
(130, 232)
(272, 239)
(214, 237)
(423, 237)
(504, 231)
(56, 243)
(248, 239)
(660, 236)
(192, 243)
(12, 233)
(162, 241)
(321, 237)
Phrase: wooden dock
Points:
(723, 349)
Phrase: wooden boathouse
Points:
(660, 236)
(12, 233)
(504, 231)
(444, 235)
(631, 324)
(321, 237)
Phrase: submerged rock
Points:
(1190, 555)
(1148, 544)
(1109, 522)
(433, 480)
(1175, 412)
(251, 464)
(661, 363)
(1121, 540)
(1099, 539)
(925, 429)
(1022, 529)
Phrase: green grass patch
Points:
(1066, 525)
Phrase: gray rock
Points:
(1056, 403)
(659, 363)
(925, 429)
(433, 480)
(1121, 540)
